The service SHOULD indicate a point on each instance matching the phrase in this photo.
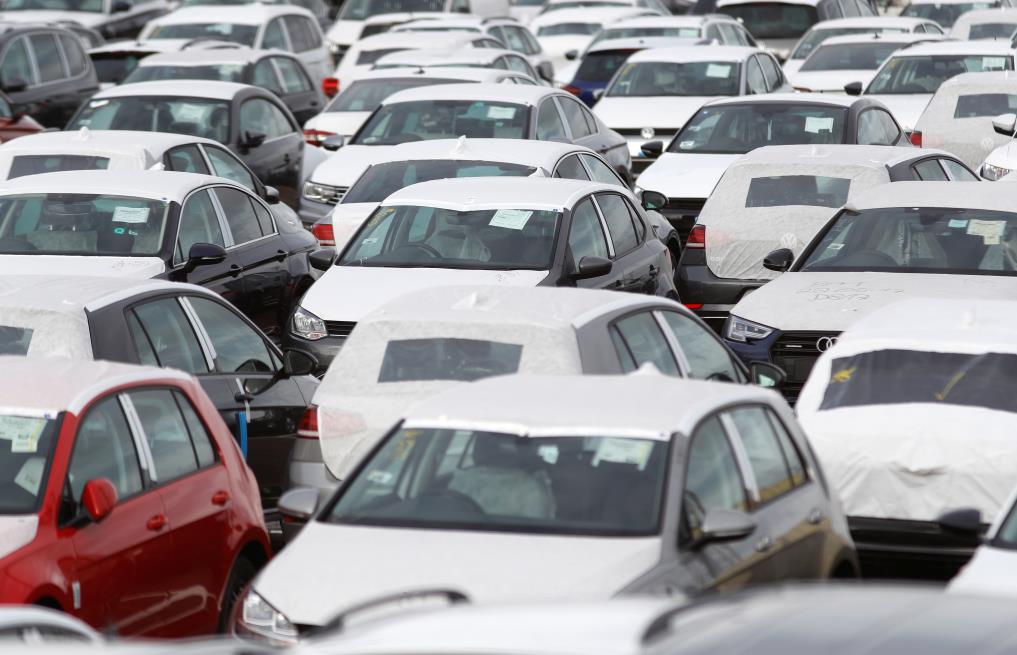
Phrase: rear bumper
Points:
(697, 285)
(894, 548)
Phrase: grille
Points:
(338, 193)
(339, 329)
(796, 353)
(682, 214)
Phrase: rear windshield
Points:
(113, 67)
(423, 120)
(944, 14)
(26, 448)
(367, 57)
(639, 32)
(813, 190)
(243, 34)
(364, 9)
(382, 180)
(213, 72)
(888, 377)
(991, 31)
(366, 95)
(15, 340)
(34, 164)
(737, 129)
(662, 78)
(773, 20)
(924, 74)
(564, 29)
(985, 104)
(815, 37)
(856, 56)
(602, 65)
(463, 360)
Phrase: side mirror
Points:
(322, 259)
(204, 254)
(597, 94)
(592, 266)
(767, 375)
(297, 362)
(299, 503)
(271, 195)
(653, 148)
(965, 523)
(572, 55)
(252, 139)
(334, 142)
(14, 85)
(1005, 124)
(779, 260)
(99, 497)
(120, 6)
(546, 71)
(652, 199)
(720, 525)
(853, 88)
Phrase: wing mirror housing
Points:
(99, 497)
(252, 139)
(333, 142)
(722, 525)
(853, 88)
(299, 504)
(271, 195)
(572, 55)
(14, 85)
(779, 260)
(322, 259)
(1005, 124)
(120, 6)
(964, 523)
(592, 266)
(653, 148)
(767, 375)
(652, 200)
(297, 362)
(546, 71)
(204, 254)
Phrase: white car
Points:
(907, 80)
(889, 25)
(111, 18)
(999, 23)
(555, 488)
(561, 5)
(259, 26)
(566, 33)
(912, 412)
(946, 12)
(716, 28)
(24, 629)
(951, 240)
(992, 569)
(469, 57)
(841, 60)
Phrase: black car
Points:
(178, 226)
(279, 72)
(45, 71)
(252, 122)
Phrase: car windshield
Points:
(81, 224)
(737, 129)
(924, 74)
(601, 66)
(190, 116)
(462, 360)
(890, 377)
(815, 37)
(215, 72)
(382, 180)
(565, 29)
(991, 31)
(53, 5)
(985, 104)
(22, 165)
(918, 240)
(113, 67)
(661, 78)
(367, 95)
(786, 190)
(854, 56)
(423, 120)
(580, 4)
(773, 20)
(491, 481)
(639, 32)
(526, 3)
(243, 34)
(430, 237)
(944, 14)
(364, 9)
(26, 450)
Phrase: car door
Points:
(119, 576)
(703, 355)
(298, 93)
(271, 144)
(636, 266)
(200, 222)
(587, 239)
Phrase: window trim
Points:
(197, 337)
(613, 325)
(603, 226)
(199, 328)
(610, 237)
(252, 98)
(211, 168)
(222, 214)
(589, 170)
(858, 124)
(149, 476)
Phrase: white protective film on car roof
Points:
(44, 333)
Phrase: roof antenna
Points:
(968, 319)
(457, 149)
(84, 134)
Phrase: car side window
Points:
(637, 220)
(302, 33)
(240, 216)
(586, 236)
(260, 115)
(16, 64)
(200, 438)
(512, 38)
(549, 124)
(162, 329)
(876, 127)
(274, 36)
(76, 57)
(239, 348)
(619, 223)
(575, 117)
(600, 171)
(198, 224)
(186, 159)
(766, 457)
(713, 33)
(929, 170)
(226, 164)
(792, 456)
(265, 77)
(712, 479)
(294, 78)
(958, 172)
(570, 168)
(771, 72)
(933, 29)
(518, 64)
(166, 433)
(104, 448)
(849, 8)
(47, 57)
(728, 34)
(755, 80)
(706, 355)
(646, 343)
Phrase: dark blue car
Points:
(603, 59)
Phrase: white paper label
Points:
(95, 104)
(624, 451)
(510, 219)
(501, 113)
(130, 215)
(986, 228)
(718, 70)
(30, 476)
(817, 124)
(22, 431)
(993, 63)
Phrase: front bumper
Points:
(894, 548)
(795, 351)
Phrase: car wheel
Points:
(241, 575)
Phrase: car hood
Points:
(345, 123)
(345, 31)
(48, 17)
(990, 571)
(344, 166)
(829, 80)
(906, 108)
(133, 267)
(833, 301)
(347, 219)
(791, 66)
(329, 568)
(1005, 156)
(658, 111)
(679, 175)
(17, 532)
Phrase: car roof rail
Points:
(338, 622)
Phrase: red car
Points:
(124, 499)
(14, 124)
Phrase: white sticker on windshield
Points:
(221, 28)
(993, 63)
(685, 145)
(718, 70)
(817, 124)
(22, 431)
(624, 451)
(501, 113)
(510, 219)
(986, 228)
(130, 215)
(958, 222)
(30, 476)
(95, 104)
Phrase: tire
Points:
(241, 575)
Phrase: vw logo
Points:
(647, 132)
(825, 343)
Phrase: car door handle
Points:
(280, 255)
(815, 516)
(220, 498)
(286, 158)
(764, 545)
(235, 270)
(156, 523)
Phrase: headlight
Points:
(738, 329)
(323, 192)
(993, 173)
(261, 621)
(308, 326)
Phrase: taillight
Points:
(323, 233)
(697, 237)
(308, 427)
(694, 305)
(330, 86)
(315, 137)
(574, 90)
(915, 138)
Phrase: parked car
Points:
(841, 60)
(946, 12)
(466, 57)
(889, 418)
(319, 8)
(600, 61)
(143, 224)
(252, 122)
(985, 24)
(564, 34)
(78, 432)
(114, 20)
(1000, 163)
(113, 61)
(44, 71)
(31, 627)
(14, 122)
(525, 500)
(990, 571)
(564, 5)
(261, 26)
(854, 266)
(156, 323)
(718, 29)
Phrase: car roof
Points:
(433, 56)
(156, 185)
(976, 16)
(875, 157)
(829, 99)
(645, 404)
(518, 94)
(479, 193)
(176, 89)
(77, 294)
(84, 140)
(990, 81)
(602, 15)
(251, 14)
(956, 48)
(872, 21)
(56, 384)
(458, 73)
(955, 195)
(681, 54)
(397, 17)
(877, 37)
(210, 57)
(728, 3)
(415, 40)
(531, 152)
(643, 43)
